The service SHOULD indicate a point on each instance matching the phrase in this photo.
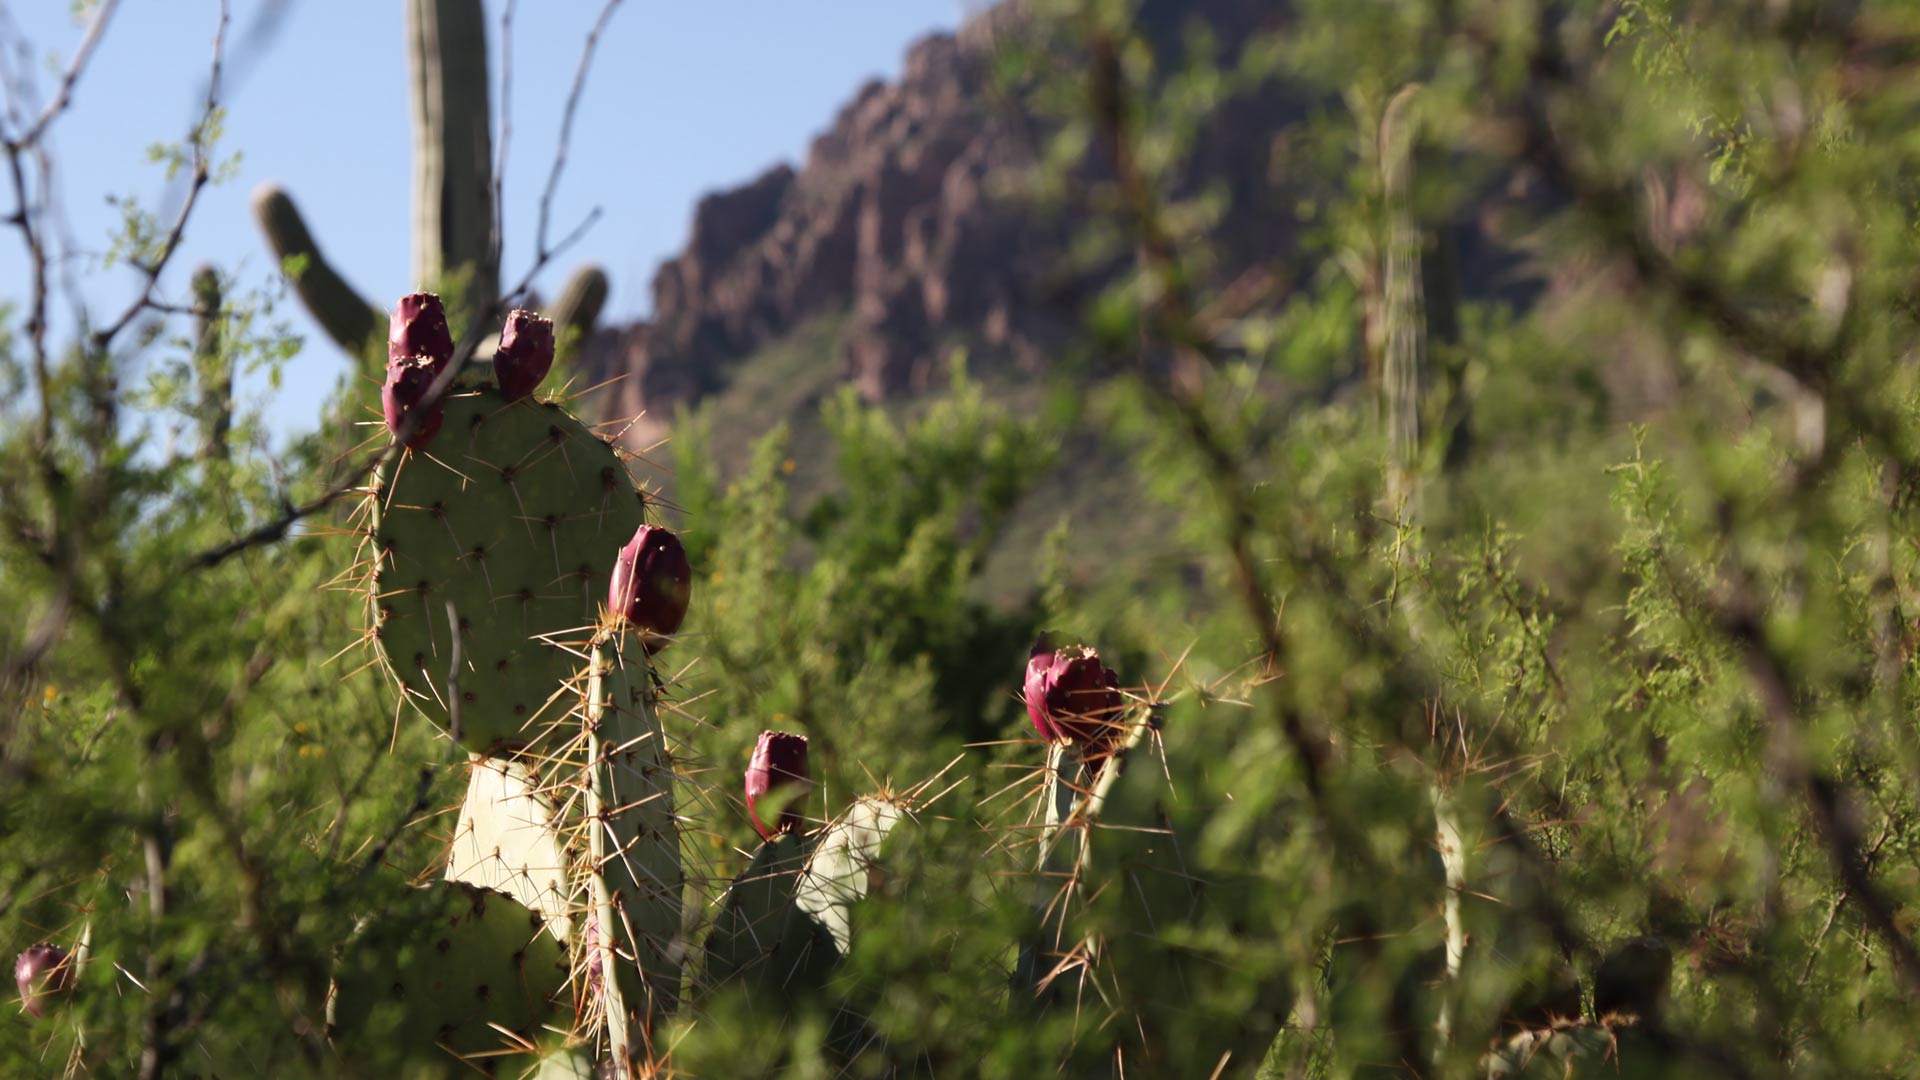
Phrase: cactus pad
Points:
(787, 919)
(513, 515)
(761, 938)
(484, 963)
(642, 865)
(506, 839)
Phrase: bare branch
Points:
(63, 95)
(541, 254)
(506, 134)
(202, 172)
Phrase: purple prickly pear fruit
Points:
(652, 585)
(1071, 696)
(408, 381)
(42, 972)
(418, 327)
(525, 354)
(777, 783)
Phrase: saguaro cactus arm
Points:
(578, 306)
(212, 366)
(347, 319)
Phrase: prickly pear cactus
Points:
(484, 967)
(494, 542)
(787, 920)
(1137, 917)
(761, 939)
(626, 770)
(507, 839)
(501, 532)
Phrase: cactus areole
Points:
(652, 585)
(1071, 696)
(418, 328)
(501, 538)
(42, 972)
(778, 781)
(408, 381)
(525, 354)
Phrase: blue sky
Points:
(685, 96)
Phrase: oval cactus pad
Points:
(514, 515)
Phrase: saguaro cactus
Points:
(453, 192)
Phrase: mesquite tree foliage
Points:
(1530, 692)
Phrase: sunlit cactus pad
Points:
(514, 513)
(643, 867)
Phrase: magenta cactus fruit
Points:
(408, 381)
(778, 781)
(652, 585)
(42, 972)
(525, 354)
(1071, 696)
(417, 328)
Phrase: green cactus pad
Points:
(514, 514)
(1148, 917)
(483, 961)
(761, 937)
(643, 868)
(787, 919)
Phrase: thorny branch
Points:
(63, 94)
(1173, 316)
(1814, 365)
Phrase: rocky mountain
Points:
(901, 223)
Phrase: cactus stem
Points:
(614, 1009)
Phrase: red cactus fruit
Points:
(778, 781)
(525, 354)
(652, 585)
(42, 972)
(418, 327)
(408, 381)
(1071, 696)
